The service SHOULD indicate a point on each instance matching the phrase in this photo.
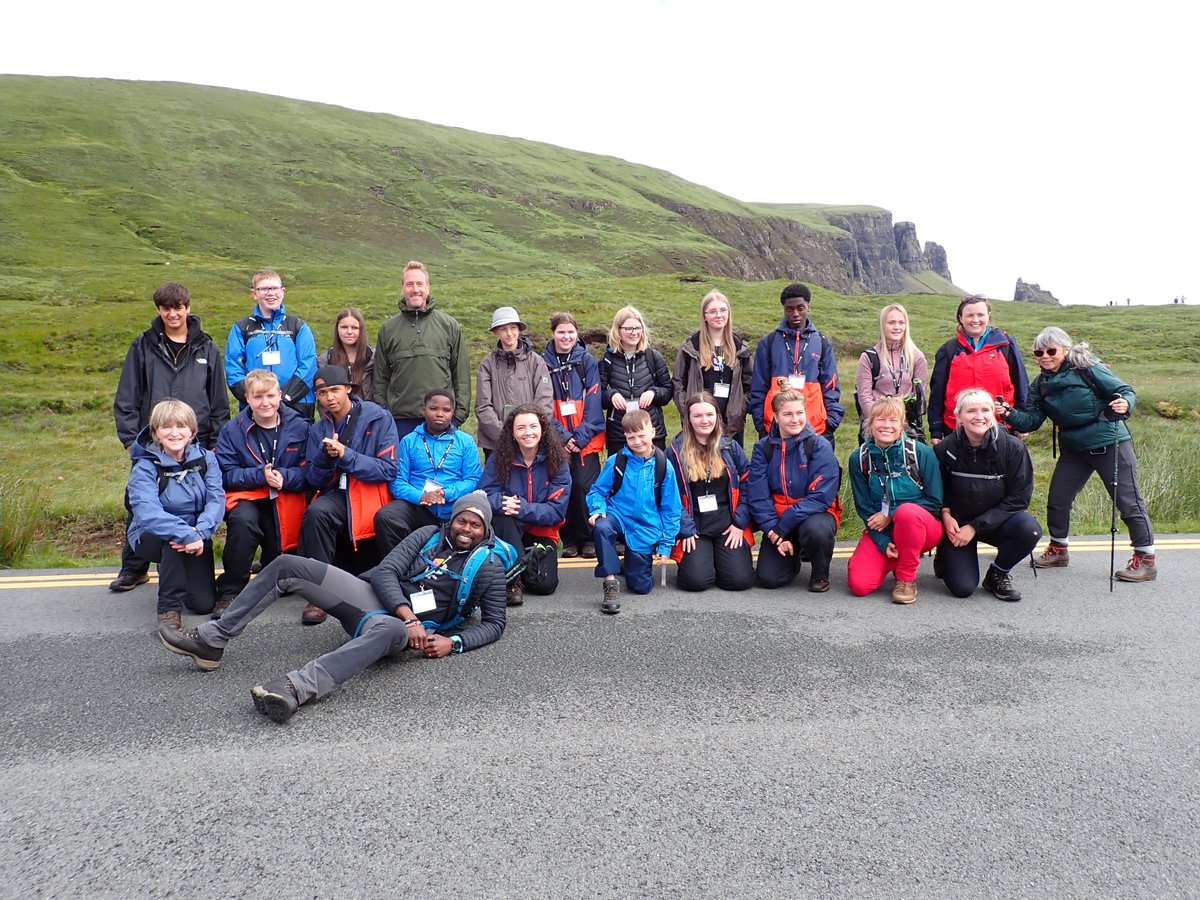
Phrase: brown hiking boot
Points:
(1139, 568)
(1055, 556)
(514, 594)
(220, 606)
(611, 604)
(172, 619)
(904, 592)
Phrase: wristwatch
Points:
(456, 644)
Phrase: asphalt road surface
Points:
(765, 744)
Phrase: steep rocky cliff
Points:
(1033, 293)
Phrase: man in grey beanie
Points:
(422, 596)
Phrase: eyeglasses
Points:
(631, 329)
(269, 289)
(1049, 351)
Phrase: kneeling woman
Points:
(898, 493)
(177, 500)
(793, 490)
(987, 482)
(711, 470)
(528, 485)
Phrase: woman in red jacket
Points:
(978, 356)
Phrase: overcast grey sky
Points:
(1044, 140)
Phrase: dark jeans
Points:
(714, 563)
(250, 524)
(814, 538)
(1072, 472)
(397, 520)
(1013, 540)
(639, 567)
(584, 472)
(541, 578)
(183, 581)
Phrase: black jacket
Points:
(631, 378)
(150, 374)
(983, 486)
(405, 563)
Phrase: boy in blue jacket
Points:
(643, 510)
(436, 464)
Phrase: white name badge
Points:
(430, 485)
(632, 402)
(566, 407)
(272, 357)
(885, 507)
(342, 482)
(796, 381)
(422, 602)
(720, 389)
(707, 503)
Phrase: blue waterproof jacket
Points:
(189, 508)
(806, 352)
(543, 496)
(451, 459)
(297, 359)
(370, 448)
(578, 380)
(647, 527)
(791, 487)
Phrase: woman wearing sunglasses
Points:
(1088, 405)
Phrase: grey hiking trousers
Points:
(346, 597)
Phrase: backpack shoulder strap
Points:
(166, 475)
(618, 474)
(911, 464)
(660, 474)
(873, 357)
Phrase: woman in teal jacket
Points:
(1089, 405)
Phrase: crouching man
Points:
(421, 596)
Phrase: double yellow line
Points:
(28, 581)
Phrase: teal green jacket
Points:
(890, 476)
(1065, 399)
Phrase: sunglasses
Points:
(1049, 351)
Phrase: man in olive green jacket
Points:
(418, 349)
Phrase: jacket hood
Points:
(994, 337)
(144, 448)
(288, 419)
(157, 329)
(429, 306)
(788, 331)
(775, 437)
(277, 315)
(524, 349)
(989, 439)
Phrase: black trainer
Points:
(188, 643)
(1000, 585)
(276, 699)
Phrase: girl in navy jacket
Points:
(711, 471)
(793, 489)
(527, 484)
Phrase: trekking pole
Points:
(1112, 537)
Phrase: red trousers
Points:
(914, 531)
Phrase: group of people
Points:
(386, 474)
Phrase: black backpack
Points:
(660, 473)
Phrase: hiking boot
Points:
(313, 615)
(188, 643)
(570, 551)
(1055, 556)
(588, 551)
(1000, 585)
(125, 582)
(220, 606)
(172, 619)
(276, 699)
(256, 567)
(1139, 568)
(611, 604)
(514, 594)
(937, 565)
(904, 592)
(818, 585)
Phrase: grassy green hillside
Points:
(109, 188)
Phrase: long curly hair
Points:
(551, 443)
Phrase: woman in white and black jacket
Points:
(633, 375)
(987, 482)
